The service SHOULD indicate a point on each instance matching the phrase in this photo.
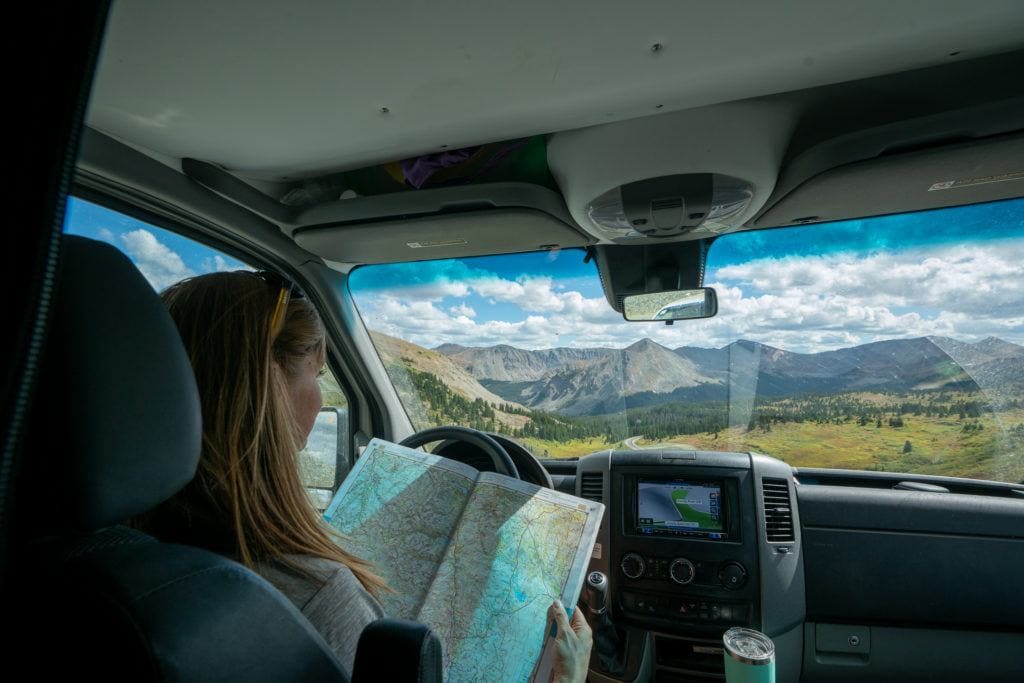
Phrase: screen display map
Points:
(679, 506)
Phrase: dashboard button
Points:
(685, 608)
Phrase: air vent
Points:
(592, 486)
(778, 515)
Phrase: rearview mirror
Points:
(686, 304)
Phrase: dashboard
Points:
(855, 576)
(692, 544)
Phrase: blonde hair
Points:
(247, 484)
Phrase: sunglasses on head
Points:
(286, 290)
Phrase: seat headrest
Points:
(116, 425)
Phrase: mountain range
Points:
(592, 381)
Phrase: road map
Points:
(679, 504)
(476, 556)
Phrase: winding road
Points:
(631, 444)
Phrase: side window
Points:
(164, 258)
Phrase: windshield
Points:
(891, 343)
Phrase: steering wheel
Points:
(502, 461)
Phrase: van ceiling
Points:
(273, 93)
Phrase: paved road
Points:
(657, 504)
(631, 443)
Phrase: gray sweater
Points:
(338, 607)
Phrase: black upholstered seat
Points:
(115, 431)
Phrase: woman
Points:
(257, 352)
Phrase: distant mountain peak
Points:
(749, 345)
(449, 349)
(997, 346)
(988, 347)
(645, 344)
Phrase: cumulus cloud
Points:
(803, 304)
(219, 264)
(462, 310)
(160, 265)
(534, 294)
(423, 323)
(432, 291)
(974, 279)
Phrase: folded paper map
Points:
(477, 556)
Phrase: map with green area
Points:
(688, 512)
(679, 504)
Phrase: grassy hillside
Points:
(546, 448)
(989, 446)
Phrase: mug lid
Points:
(749, 646)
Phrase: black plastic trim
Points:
(881, 577)
(808, 476)
(919, 512)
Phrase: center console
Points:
(694, 543)
(684, 554)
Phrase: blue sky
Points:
(162, 256)
(951, 272)
(997, 220)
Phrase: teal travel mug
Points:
(749, 656)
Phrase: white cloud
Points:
(159, 264)
(534, 294)
(106, 235)
(433, 291)
(462, 310)
(799, 304)
(966, 278)
(219, 264)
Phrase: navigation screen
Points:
(679, 507)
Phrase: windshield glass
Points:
(891, 343)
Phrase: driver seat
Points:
(115, 431)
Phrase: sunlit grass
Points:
(937, 445)
(566, 449)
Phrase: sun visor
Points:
(951, 175)
(451, 235)
(412, 225)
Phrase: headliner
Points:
(270, 93)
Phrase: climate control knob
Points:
(632, 566)
(732, 575)
(682, 571)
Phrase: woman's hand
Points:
(572, 645)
